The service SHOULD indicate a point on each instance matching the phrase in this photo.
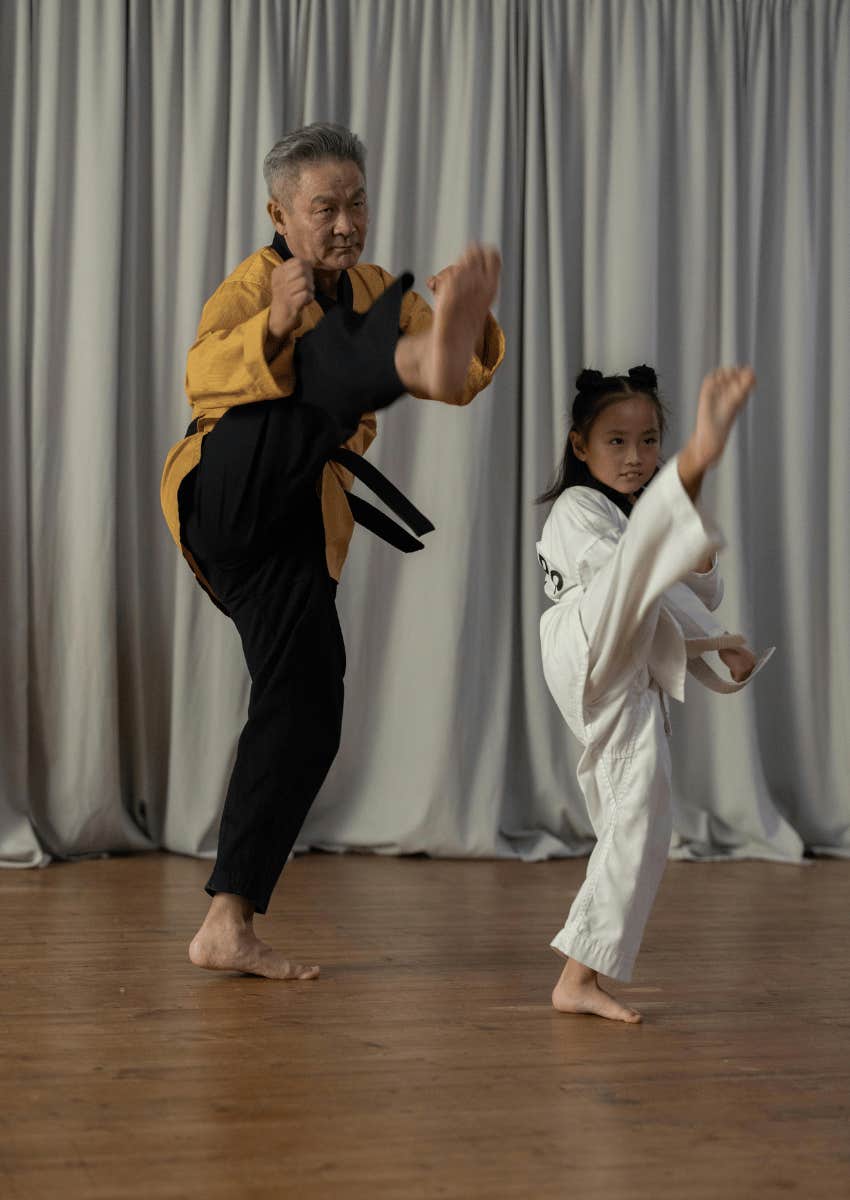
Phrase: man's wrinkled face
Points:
(325, 219)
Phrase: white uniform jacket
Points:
(669, 535)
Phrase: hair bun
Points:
(590, 381)
(643, 377)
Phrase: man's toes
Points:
(473, 255)
(746, 380)
(491, 264)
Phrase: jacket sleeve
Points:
(693, 616)
(227, 363)
(707, 587)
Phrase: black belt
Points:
(372, 518)
(366, 514)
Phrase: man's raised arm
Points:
(244, 349)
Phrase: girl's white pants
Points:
(626, 786)
(596, 646)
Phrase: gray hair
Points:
(311, 144)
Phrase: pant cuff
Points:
(608, 960)
(258, 897)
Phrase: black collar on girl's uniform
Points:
(623, 502)
(344, 290)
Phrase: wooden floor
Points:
(426, 1062)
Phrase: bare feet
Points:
(578, 991)
(722, 396)
(435, 364)
(226, 942)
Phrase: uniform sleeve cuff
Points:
(687, 513)
(713, 571)
(265, 386)
(494, 346)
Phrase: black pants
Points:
(251, 516)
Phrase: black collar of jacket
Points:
(344, 290)
(622, 501)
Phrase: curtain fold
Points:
(20, 845)
(668, 183)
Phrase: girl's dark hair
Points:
(594, 393)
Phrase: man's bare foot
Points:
(462, 298)
(578, 991)
(435, 363)
(226, 942)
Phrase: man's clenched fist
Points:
(292, 289)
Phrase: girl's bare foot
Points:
(578, 991)
(226, 942)
(435, 363)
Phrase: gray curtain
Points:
(668, 182)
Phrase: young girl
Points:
(633, 573)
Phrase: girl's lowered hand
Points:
(740, 662)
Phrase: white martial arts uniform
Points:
(630, 618)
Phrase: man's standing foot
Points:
(227, 942)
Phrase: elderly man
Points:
(296, 349)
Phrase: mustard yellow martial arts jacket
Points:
(227, 366)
